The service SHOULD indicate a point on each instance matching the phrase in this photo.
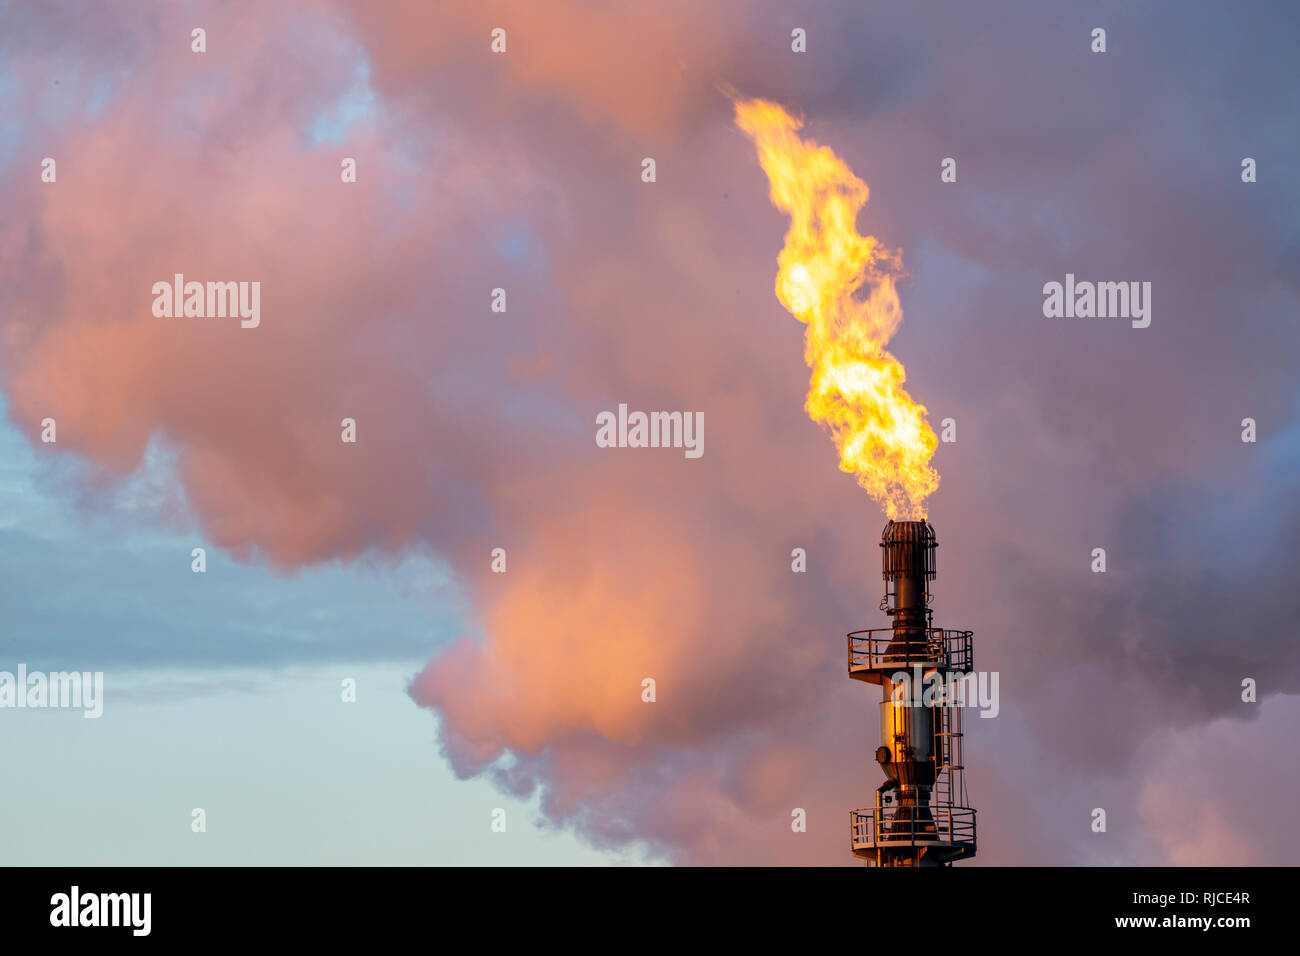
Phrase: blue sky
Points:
(286, 772)
(223, 691)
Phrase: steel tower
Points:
(920, 817)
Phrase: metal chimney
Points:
(919, 818)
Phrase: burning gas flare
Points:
(856, 391)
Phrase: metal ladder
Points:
(948, 767)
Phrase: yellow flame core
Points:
(856, 391)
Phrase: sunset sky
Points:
(522, 170)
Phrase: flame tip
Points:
(855, 391)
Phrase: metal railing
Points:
(880, 648)
(904, 825)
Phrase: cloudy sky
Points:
(522, 171)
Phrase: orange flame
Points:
(856, 391)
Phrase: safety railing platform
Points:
(908, 825)
(882, 649)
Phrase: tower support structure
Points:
(920, 816)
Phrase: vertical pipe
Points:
(907, 732)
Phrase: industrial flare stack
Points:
(919, 817)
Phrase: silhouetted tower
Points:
(920, 817)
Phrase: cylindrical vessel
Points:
(907, 565)
(907, 733)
